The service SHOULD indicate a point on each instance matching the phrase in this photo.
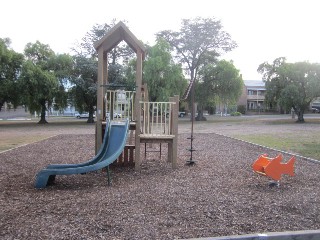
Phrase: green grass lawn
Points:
(303, 139)
(16, 141)
(305, 146)
(280, 132)
(18, 133)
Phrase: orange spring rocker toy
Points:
(273, 167)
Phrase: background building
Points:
(253, 96)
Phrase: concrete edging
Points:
(290, 235)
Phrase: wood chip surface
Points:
(219, 195)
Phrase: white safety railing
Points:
(119, 104)
(157, 118)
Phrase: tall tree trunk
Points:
(300, 117)
(43, 113)
(200, 116)
(90, 118)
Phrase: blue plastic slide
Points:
(95, 159)
(114, 142)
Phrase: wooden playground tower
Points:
(148, 125)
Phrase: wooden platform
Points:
(157, 138)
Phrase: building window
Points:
(251, 105)
(261, 93)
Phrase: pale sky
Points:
(263, 30)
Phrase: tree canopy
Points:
(84, 89)
(163, 76)
(10, 70)
(84, 76)
(199, 41)
(39, 83)
(62, 65)
(43, 75)
(291, 85)
(86, 48)
(220, 82)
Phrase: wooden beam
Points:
(102, 79)
(174, 130)
(138, 109)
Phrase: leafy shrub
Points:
(242, 109)
(236, 114)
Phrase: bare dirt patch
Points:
(219, 195)
(17, 133)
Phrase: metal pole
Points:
(191, 161)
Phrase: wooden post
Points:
(99, 101)
(138, 110)
(102, 80)
(105, 82)
(175, 131)
(146, 113)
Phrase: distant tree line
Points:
(291, 86)
(39, 78)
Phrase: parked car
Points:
(115, 115)
(82, 115)
(182, 114)
(315, 107)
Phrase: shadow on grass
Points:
(291, 121)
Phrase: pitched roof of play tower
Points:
(119, 33)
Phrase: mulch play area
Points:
(220, 195)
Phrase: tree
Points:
(38, 81)
(130, 73)
(84, 76)
(121, 52)
(199, 41)
(10, 70)
(218, 82)
(86, 48)
(84, 80)
(62, 65)
(291, 85)
(163, 76)
(269, 71)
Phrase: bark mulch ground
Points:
(219, 195)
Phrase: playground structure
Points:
(272, 167)
(119, 111)
(150, 122)
(114, 141)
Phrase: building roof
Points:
(254, 83)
